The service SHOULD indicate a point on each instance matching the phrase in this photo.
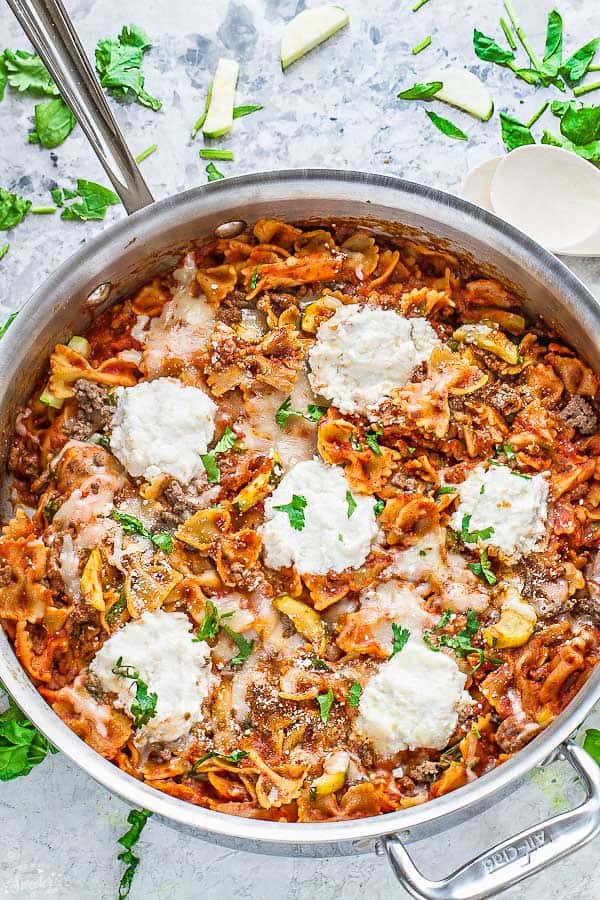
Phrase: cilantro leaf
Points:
(325, 702)
(8, 321)
(244, 646)
(119, 65)
(213, 173)
(239, 111)
(351, 503)
(137, 818)
(22, 746)
(591, 743)
(399, 638)
(13, 209)
(295, 511)
(446, 126)
(131, 525)
(372, 440)
(26, 73)
(421, 91)
(482, 569)
(487, 49)
(95, 200)
(143, 706)
(576, 66)
(471, 537)
(354, 694)
(514, 133)
(54, 122)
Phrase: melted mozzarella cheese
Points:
(361, 354)
(330, 540)
(516, 507)
(160, 648)
(391, 601)
(162, 427)
(412, 701)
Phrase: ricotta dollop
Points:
(161, 427)
(177, 669)
(412, 701)
(362, 353)
(330, 540)
(516, 507)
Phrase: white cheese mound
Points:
(330, 541)
(515, 507)
(412, 701)
(161, 427)
(362, 353)
(177, 669)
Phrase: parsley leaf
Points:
(226, 442)
(137, 818)
(487, 49)
(8, 322)
(54, 122)
(13, 209)
(295, 511)
(482, 569)
(22, 746)
(244, 646)
(461, 642)
(514, 133)
(95, 200)
(507, 449)
(399, 637)
(209, 628)
(591, 743)
(471, 537)
(313, 412)
(351, 503)
(25, 72)
(119, 65)
(372, 440)
(325, 702)
(235, 757)
(239, 111)
(446, 126)
(429, 632)
(379, 507)
(445, 489)
(354, 694)
(113, 613)
(131, 525)
(252, 286)
(576, 66)
(213, 173)
(143, 707)
(421, 91)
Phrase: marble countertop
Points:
(335, 108)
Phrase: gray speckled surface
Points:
(334, 108)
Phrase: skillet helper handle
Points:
(49, 28)
(516, 858)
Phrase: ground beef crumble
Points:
(94, 410)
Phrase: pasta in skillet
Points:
(307, 529)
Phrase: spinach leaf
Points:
(26, 73)
(137, 818)
(21, 745)
(446, 126)
(421, 91)
(514, 133)
(554, 44)
(119, 65)
(581, 125)
(95, 200)
(54, 122)
(576, 66)
(13, 209)
(487, 49)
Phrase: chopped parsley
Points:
(325, 702)
(355, 443)
(113, 613)
(143, 707)
(351, 503)
(226, 442)
(131, 525)
(253, 283)
(354, 694)
(482, 569)
(445, 489)
(137, 819)
(507, 449)
(372, 439)
(209, 630)
(244, 646)
(235, 757)
(460, 642)
(319, 665)
(471, 537)
(400, 636)
(119, 65)
(26, 73)
(295, 511)
(379, 507)
(313, 412)
(21, 745)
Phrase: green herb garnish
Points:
(209, 628)
(507, 449)
(13, 209)
(446, 126)
(354, 694)
(399, 638)
(137, 819)
(445, 489)
(461, 642)
(235, 757)
(471, 537)
(143, 707)
(244, 646)
(325, 702)
(131, 525)
(226, 442)
(379, 507)
(254, 281)
(119, 65)
(313, 412)
(295, 511)
(488, 50)
(482, 569)
(372, 436)
(113, 613)
(26, 73)
(577, 65)
(351, 503)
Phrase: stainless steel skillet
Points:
(151, 239)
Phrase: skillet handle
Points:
(50, 30)
(516, 858)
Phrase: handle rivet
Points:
(98, 295)
(230, 229)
